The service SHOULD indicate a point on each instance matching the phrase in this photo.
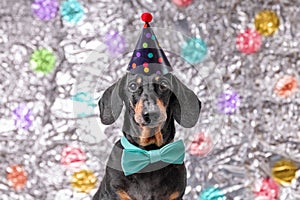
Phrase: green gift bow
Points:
(134, 159)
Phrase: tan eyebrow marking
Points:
(139, 80)
(174, 196)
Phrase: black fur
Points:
(158, 180)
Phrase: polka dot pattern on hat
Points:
(148, 58)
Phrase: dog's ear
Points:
(184, 103)
(111, 103)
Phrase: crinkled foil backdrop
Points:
(61, 106)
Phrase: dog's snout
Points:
(151, 116)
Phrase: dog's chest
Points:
(158, 182)
(157, 185)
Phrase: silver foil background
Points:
(265, 127)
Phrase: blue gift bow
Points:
(135, 159)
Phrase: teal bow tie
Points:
(135, 159)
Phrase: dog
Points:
(152, 104)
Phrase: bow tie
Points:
(135, 159)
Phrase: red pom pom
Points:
(146, 17)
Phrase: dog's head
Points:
(152, 103)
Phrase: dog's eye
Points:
(133, 87)
(164, 85)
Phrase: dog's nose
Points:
(151, 116)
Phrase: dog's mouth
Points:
(150, 118)
(151, 133)
(150, 125)
(144, 122)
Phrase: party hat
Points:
(148, 57)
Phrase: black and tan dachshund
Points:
(152, 104)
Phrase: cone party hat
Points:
(148, 57)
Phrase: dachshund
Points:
(152, 104)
